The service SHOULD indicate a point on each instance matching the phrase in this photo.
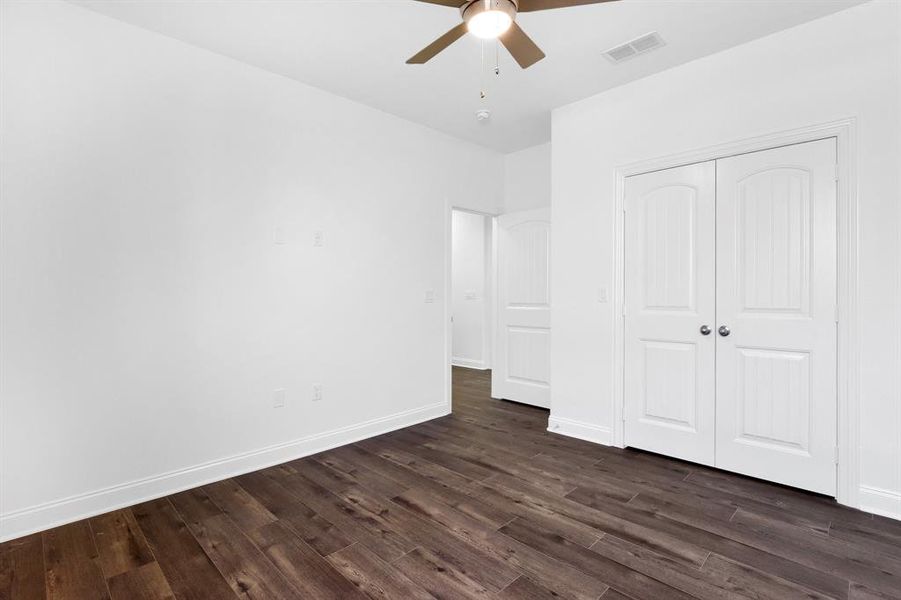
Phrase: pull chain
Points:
(482, 93)
(483, 83)
(497, 61)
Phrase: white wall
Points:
(470, 285)
(527, 179)
(148, 313)
(844, 65)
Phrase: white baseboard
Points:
(581, 430)
(52, 514)
(468, 363)
(880, 502)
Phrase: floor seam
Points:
(413, 549)
(507, 523)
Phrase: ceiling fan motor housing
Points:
(468, 11)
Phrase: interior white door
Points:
(523, 362)
(669, 297)
(776, 294)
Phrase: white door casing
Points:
(669, 295)
(776, 292)
(522, 360)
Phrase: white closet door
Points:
(776, 294)
(523, 348)
(669, 296)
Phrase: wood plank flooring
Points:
(484, 503)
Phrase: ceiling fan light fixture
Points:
(489, 24)
(495, 19)
(488, 19)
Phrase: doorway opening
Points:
(499, 303)
(471, 297)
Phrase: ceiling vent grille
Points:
(632, 48)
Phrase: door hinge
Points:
(835, 172)
(836, 454)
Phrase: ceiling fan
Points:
(490, 19)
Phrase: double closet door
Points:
(730, 314)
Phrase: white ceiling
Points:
(357, 49)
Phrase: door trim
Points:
(847, 369)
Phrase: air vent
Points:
(639, 45)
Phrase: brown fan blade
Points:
(429, 52)
(521, 46)
(451, 3)
(533, 5)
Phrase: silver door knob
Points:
(705, 330)
(724, 331)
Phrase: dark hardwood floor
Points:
(481, 504)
